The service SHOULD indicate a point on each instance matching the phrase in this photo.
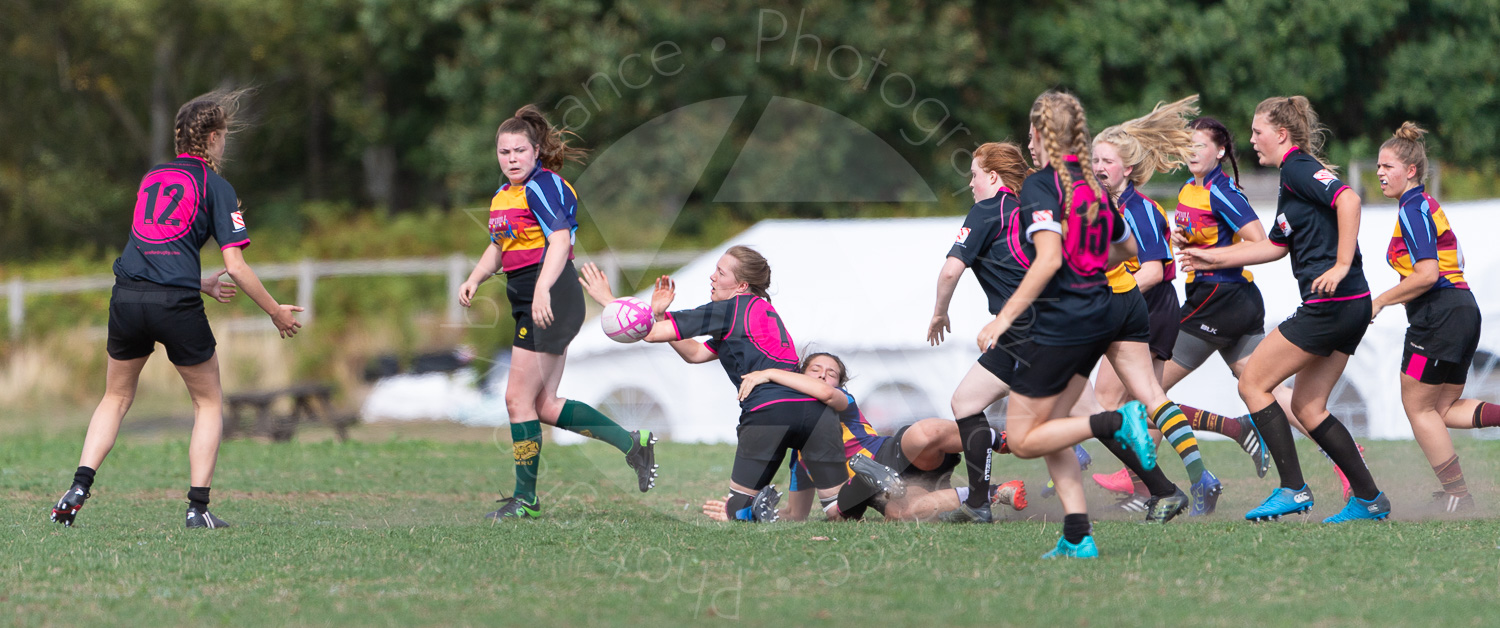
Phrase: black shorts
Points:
(1127, 313)
(1442, 337)
(1000, 360)
(808, 426)
(567, 309)
(1223, 311)
(142, 314)
(1328, 326)
(892, 455)
(1044, 371)
(1163, 308)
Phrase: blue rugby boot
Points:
(1251, 442)
(1084, 459)
(1283, 501)
(1135, 433)
(1206, 493)
(1082, 549)
(1358, 509)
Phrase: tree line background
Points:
(388, 107)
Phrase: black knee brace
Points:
(738, 506)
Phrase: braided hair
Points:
(203, 116)
(1059, 118)
(1223, 138)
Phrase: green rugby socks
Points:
(581, 418)
(526, 446)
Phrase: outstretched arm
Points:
(245, 278)
(1241, 254)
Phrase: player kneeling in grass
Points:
(924, 453)
(747, 335)
(180, 205)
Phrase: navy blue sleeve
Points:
(980, 228)
(1151, 244)
(1419, 230)
(1230, 206)
(228, 221)
(710, 319)
(553, 203)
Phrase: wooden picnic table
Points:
(310, 402)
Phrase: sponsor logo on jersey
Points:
(1042, 216)
(1325, 177)
(1286, 226)
(1211, 330)
(963, 234)
(238, 218)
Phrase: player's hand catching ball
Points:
(662, 296)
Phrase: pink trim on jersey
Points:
(781, 400)
(1278, 243)
(241, 244)
(675, 332)
(1348, 298)
(710, 348)
(1415, 367)
(192, 156)
(1335, 201)
(1288, 152)
(1005, 190)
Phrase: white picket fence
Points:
(455, 267)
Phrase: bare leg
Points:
(1038, 435)
(927, 442)
(1421, 402)
(798, 505)
(531, 390)
(978, 389)
(1108, 389)
(921, 504)
(208, 419)
(120, 379)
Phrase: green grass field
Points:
(391, 533)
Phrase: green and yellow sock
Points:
(526, 445)
(1174, 426)
(581, 418)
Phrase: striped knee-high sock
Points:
(1174, 426)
